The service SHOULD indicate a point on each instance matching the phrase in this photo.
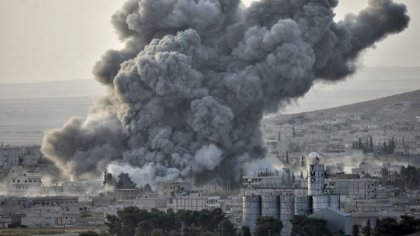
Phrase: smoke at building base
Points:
(188, 91)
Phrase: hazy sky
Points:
(48, 40)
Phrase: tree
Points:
(244, 231)
(144, 228)
(408, 224)
(339, 233)
(226, 228)
(355, 231)
(147, 189)
(304, 226)
(130, 217)
(367, 229)
(267, 226)
(371, 149)
(376, 228)
(114, 225)
(386, 227)
(134, 221)
(125, 182)
(157, 232)
(108, 179)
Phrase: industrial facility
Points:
(282, 196)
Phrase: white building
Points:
(42, 216)
(194, 202)
(19, 156)
(366, 169)
(21, 180)
(51, 216)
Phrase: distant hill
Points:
(366, 84)
(405, 106)
(28, 109)
(69, 88)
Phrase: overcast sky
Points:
(49, 40)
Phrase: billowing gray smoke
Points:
(188, 91)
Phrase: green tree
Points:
(108, 179)
(355, 231)
(267, 226)
(339, 233)
(386, 227)
(244, 231)
(408, 224)
(304, 226)
(125, 182)
(130, 217)
(133, 221)
(114, 225)
(367, 229)
(157, 232)
(371, 149)
(226, 228)
(144, 228)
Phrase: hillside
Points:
(404, 106)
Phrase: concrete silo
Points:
(251, 210)
(316, 175)
(287, 212)
(302, 205)
(270, 206)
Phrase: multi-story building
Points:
(364, 188)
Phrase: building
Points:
(21, 180)
(194, 202)
(175, 188)
(42, 216)
(28, 156)
(280, 197)
(55, 201)
(363, 188)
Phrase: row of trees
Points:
(123, 181)
(366, 145)
(388, 227)
(387, 147)
(133, 221)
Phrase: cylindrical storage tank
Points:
(302, 205)
(270, 206)
(316, 175)
(320, 202)
(251, 210)
(335, 201)
(316, 179)
(287, 211)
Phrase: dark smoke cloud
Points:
(188, 91)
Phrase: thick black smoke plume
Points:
(188, 91)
